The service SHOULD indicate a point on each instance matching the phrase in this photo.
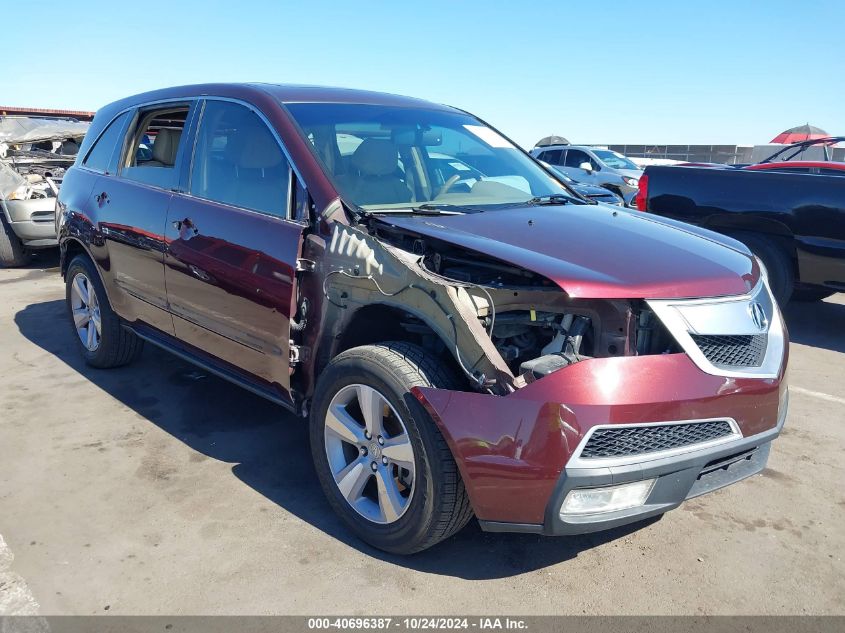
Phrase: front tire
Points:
(102, 339)
(383, 464)
(13, 253)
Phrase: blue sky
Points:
(595, 72)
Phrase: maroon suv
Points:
(467, 335)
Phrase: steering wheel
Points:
(448, 185)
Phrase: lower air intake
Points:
(641, 440)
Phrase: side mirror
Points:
(587, 167)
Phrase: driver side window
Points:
(238, 161)
(575, 157)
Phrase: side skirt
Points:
(211, 367)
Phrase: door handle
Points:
(185, 224)
(102, 198)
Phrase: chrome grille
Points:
(745, 350)
(639, 440)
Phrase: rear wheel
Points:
(12, 251)
(777, 262)
(101, 337)
(384, 466)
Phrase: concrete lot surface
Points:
(157, 489)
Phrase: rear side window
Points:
(238, 161)
(100, 156)
(552, 156)
(154, 146)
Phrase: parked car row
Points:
(467, 334)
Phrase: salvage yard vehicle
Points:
(790, 213)
(594, 166)
(591, 192)
(34, 154)
(501, 349)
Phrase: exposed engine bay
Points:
(35, 152)
(503, 325)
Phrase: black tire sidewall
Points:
(108, 319)
(777, 262)
(12, 251)
(415, 524)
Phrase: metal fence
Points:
(724, 154)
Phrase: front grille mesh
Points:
(638, 440)
(746, 350)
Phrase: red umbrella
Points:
(801, 133)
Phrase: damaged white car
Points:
(34, 154)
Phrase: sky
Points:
(595, 72)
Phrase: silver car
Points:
(34, 154)
(594, 166)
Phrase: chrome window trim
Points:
(720, 316)
(576, 461)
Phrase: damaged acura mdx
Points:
(468, 336)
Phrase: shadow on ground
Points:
(818, 324)
(44, 261)
(232, 425)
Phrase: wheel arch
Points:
(747, 224)
(380, 322)
(69, 249)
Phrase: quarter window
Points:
(552, 156)
(238, 160)
(100, 156)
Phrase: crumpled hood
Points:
(21, 129)
(600, 251)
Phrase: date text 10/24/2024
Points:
(418, 623)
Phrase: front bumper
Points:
(514, 452)
(677, 478)
(33, 221)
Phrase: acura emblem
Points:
(758, 316)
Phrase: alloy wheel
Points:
(86, 312)
(369, 453)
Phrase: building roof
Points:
(19, 111)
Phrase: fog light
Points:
(606, 499)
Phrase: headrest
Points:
(375, 157)
(166, 145)
(259, 150)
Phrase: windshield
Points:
(615, 160)
(387, 157)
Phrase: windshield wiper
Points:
(430, 208)
(554, 198)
